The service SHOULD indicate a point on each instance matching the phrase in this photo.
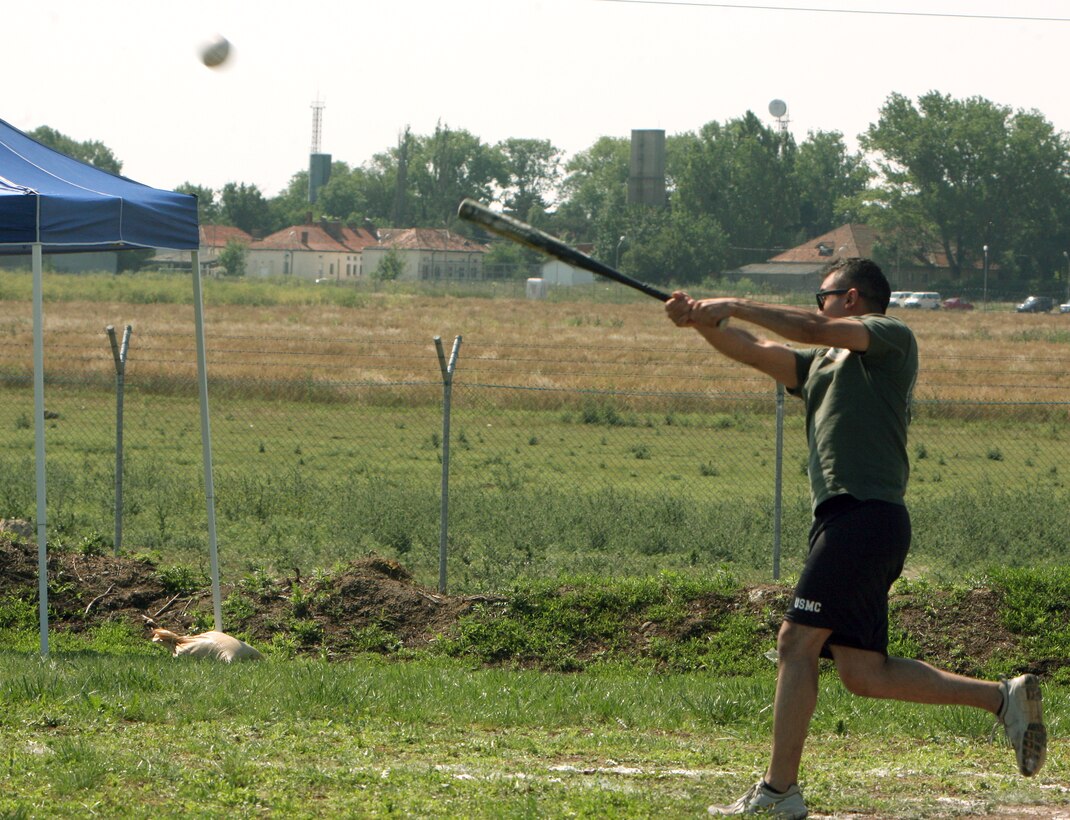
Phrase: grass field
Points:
(532, 492)
(108, 725)
(127, 736)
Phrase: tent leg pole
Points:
(206, 439)
(39, 442)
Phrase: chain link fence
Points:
(620, 458)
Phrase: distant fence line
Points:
(551, 463)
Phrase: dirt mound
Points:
(373, 604)
(961, 630)
(83, 590)
(370, 604)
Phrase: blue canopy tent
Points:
(51, 203)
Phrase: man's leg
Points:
(798, 652)
(873, 675)
(1017, 703)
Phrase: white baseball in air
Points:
(216, 51)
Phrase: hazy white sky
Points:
(126, 72)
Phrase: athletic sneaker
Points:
(760, 799)
(1022, 716)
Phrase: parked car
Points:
(1064, 308)
(898, 297)
(1036, 304)
(957, 303)
(930, 300)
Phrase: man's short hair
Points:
(864, 275)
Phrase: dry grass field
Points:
(977, 356)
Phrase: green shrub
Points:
(374, 638)
(16, 613)
(1036, 606)
(181, 580)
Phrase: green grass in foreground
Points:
(110, 725)
(148, 736)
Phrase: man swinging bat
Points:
(856, 376)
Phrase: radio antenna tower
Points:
(317, 123)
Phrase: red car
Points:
(957, 303)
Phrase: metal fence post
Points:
(119, 354)
(447, 389)
(778, 481)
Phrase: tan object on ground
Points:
(216, 645)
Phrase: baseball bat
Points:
(531, 237)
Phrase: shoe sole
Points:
(1034, 748)
(770, 811)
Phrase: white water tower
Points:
(779, 109)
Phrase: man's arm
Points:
(709, 318)
(772, 358)
(795, 324)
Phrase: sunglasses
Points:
(821, 294)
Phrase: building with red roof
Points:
(798, 268)
(336, 252)
(426, 254)
(322, 250)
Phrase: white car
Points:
(930, 300)
(1064, 308)
(898, 298)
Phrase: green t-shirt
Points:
(857, 412)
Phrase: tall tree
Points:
(291, 206)
(533, 171)
(594, 195)
(399, 212)
(741, 175)
(387, 192)
(673, 245)
(245, 207)
(827, 178)
(1038, 161)
(94, 152)
(450, 165)
(970, 173)
(345, 197)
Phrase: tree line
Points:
(936, 175)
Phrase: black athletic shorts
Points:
(857, 550)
